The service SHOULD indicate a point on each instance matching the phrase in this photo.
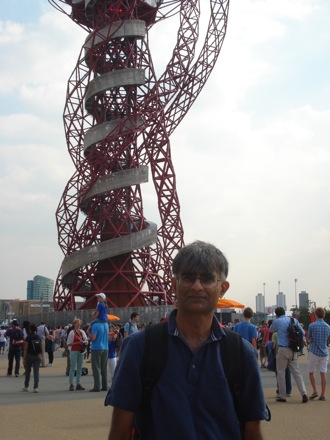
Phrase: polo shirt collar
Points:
(217, 332)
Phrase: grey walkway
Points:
(56, 413)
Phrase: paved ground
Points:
(58, 414)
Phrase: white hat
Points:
(101, 295)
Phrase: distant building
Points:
(303, 299)
(29, 293)
(280, 300)
(41, 289)
(260, 303)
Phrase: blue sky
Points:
(252, 156)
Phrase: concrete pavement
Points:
(58, 414)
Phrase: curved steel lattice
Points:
(118, 118)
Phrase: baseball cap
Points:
(101, 295)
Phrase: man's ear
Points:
(224, 287)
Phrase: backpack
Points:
(35, 344)
(84, 371)
(153, 364)
(296, 337)
(129, 328)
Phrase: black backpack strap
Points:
(232, 360)
(153, 364)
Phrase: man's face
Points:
(136, 319)
(194, 294)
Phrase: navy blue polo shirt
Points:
(192, 399)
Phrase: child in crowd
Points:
(100, 314)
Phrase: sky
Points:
(252, 156)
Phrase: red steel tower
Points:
(118, 118)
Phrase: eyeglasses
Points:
(209, 281)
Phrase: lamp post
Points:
(295, 292)
(264, 286)
(42, 306)
(279, 286)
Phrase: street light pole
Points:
(295, 292)
(279, 286)
(42, 306)
(264, 284)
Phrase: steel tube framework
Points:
(118, 118)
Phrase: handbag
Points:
(18, 343)
(83, 348)
(47, 345)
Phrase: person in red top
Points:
(265, 334)
(77, 341)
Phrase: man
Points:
(273, 346)
(131, 326)
(285, 357)
(98, 334)
(193, 388)
(247, 330)
(16, 341)
(43, 332)
(32, 358)
(318, 335)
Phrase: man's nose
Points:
(197, 284)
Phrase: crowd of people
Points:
(272, 340)
(98, 343)
(187, 371)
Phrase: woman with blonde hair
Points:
(77, 341)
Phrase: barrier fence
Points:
(55, 319)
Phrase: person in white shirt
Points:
(2, 339)
(42, 331)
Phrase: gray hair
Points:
(200, 257)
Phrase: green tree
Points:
(304, 317)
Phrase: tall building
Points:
(303, 299)
(29, 289)
(260, 303)
(41, 288)
(280, 300)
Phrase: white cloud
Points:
(10, 32)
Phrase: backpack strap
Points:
(232, 360)
(153, 363)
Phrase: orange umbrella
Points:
(113, 318)
(224, 303)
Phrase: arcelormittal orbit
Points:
(118, 119)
